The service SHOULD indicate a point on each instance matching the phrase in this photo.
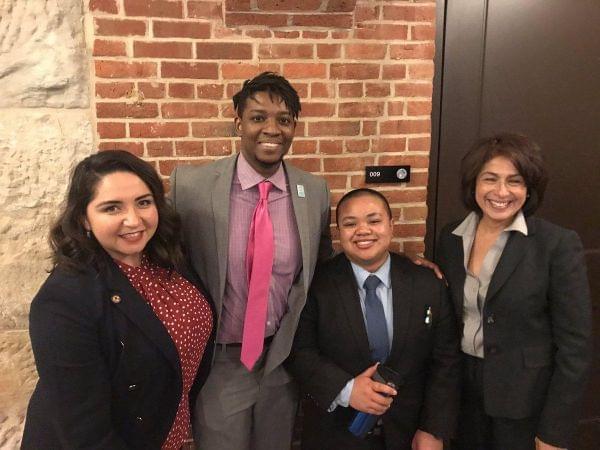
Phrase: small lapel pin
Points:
(428, 316)
(300, 189)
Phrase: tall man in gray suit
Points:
(252, 404)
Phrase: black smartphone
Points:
(386, 375)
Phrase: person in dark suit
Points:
(120, 327)
(404, 319)
(519, 284)
(253, 404)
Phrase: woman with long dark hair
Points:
(120, 327)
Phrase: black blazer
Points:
(537, 326)
(110, 375)
(331, 347)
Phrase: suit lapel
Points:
(515, 249)
(455, 272)
(220, 208)
(347, 288)
(402, 293)
(301, 214)
(127, 300)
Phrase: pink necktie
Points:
(259, 263)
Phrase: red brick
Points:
(153, 8)
(394, 72)
(159, 148)
(304, 70)
(419, 144)
(300, 129)
(340, 34)
(109, 48)
(396, 145)
(419, 179)
(414, 212)
(406, 195)
(420, 71)
(111, 130)
(351, 90)
(415, 161)
(419, 108)
(365, 51)
(159, 129)
(362, 109)
(135, 148)
(267, 20)
(358, 145)
(285, 51)
(329, 51)
(330, 20)
(377, 89)
(113, 90)
(112, 27)
(413, 247)
(308, 164)
(166, 167)
(106, 6)
(278, 5)
(405, 126)
(333, 147)
(258, 34)
(396, 108)
(152, 89)
(226, 111)
(188, 110)
(412, 51)
(244, 71)
(334, 128)
(319, 89)
(286, 34)
(218, 148)
(341, 5)
(350, 164)
(413, 89)
(302, 89)
(211, 91)
(381, 31)
(232, 89)
(189, 148)
(223, 50)
(213, 129)
(409, 230)
(137, 110)
(204, 10)
(181, 90)
(195, 30)
(363, 13)
(422, 33)
(189, 70)
(369, 127)
(409, 13)
(315, 109)
(120, 69)
(302, 147)
(336, 181)
(162, 49)
(237, 5)
(354, 71)
(310, 34)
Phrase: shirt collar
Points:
(383, 273)
(249, 177)
(468, 226)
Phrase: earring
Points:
(88, 233)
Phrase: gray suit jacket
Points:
(201, 196)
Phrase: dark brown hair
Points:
(274, 85)
(521, 151)
(71, 246)
(361, 192)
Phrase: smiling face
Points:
(267, 130)
(365, 231)
(122, 216)
(500, 191)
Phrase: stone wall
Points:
(45, 127)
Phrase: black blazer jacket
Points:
(110, 376)
(536, 328)
(331, 347)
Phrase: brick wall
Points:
(165, 71)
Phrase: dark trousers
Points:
(479, 431)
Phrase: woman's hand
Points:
(541, 445)
(426, 441)
(370, 396)
(420, 261)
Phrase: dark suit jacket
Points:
(537, 326)
(331, 347)
(110, 375)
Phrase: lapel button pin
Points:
(115, 299)
(300, 189)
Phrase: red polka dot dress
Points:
(187, 316)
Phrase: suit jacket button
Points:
(491, 350)
(138, 419)
(115, 299)
(491, 319)
(132, 387)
